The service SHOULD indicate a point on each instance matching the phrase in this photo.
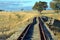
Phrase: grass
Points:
(51, 13)
(10, 22)
(56, 32)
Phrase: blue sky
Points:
(8, 4)
(25, 2)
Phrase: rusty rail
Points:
(24, 33)
(42, 34)
(41, 30)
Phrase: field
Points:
(10, 22)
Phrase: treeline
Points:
(1, 10)
(40, 6)
(55, 5)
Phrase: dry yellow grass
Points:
(51, 13)
(10, 22)
(58, 35)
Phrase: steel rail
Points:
(42, 34)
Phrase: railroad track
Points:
(28, 32)
(43, 36)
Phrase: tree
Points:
(55, 5)
(40, 6)
(22, 9)
(52, 5)
(1, 10)
(57, 0)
